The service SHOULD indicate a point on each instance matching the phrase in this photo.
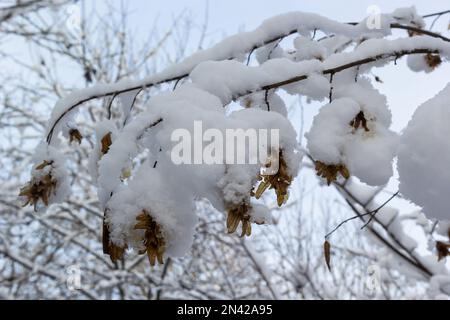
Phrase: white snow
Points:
(244, 42)
(424, 156)
(218, 76)
(367, 154)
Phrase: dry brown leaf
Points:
(280, 182)
(359, 121)
(39, 189)
(331, 172)
(153, 240)
(443, 250)
(106, 143)
(239, 214)
(327, 254)
(433, 60)
(75, 135)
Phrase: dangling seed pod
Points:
(359, 121)
(331, 172)
(443, 250)
(433, 60)
(153, 240)
(39, 189)
(279, 181)
(75, 135)
(239, 214)
(115, 252)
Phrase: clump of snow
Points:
(418, 63)
(163, 200)
(315, 87)
(270, 51)
(363, 193)
(166, 189)
(424, 155)
(387, 215)
(260, 214)
(367, 152)
(101, 130)
(307, 49)
(443, 228)
(229, 79)
(126, 102)
(439, 288)
(397, 228)
(269, 101)
(327, 137)
(408, 16)
(237, 183)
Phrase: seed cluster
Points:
(239, 214)
(280, 182)
(153, 240)
(330, 172)
(39, 189)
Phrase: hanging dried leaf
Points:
(116, 253)
(327, 254)
(154, 241)
(75, 135)
(43, 165)
(359, 121)
(443, 250)
(239, 214)
(433, 60)
(106, 143)
(39, 189)
(280, 182)
(331, 172)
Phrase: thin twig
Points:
(371, 213)
(378, 209)
(436, 14)
(110, 102)
(331, 87)
(266, 99)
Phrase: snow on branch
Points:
(185, 139)
(270, 31)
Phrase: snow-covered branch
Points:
(271, 31)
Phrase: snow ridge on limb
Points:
(232, 47)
